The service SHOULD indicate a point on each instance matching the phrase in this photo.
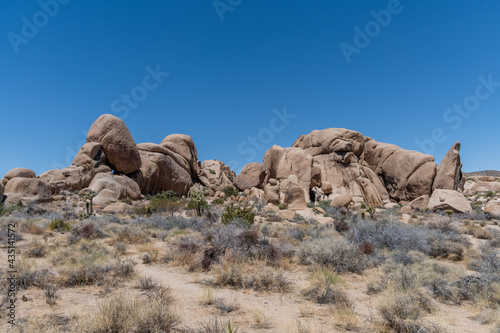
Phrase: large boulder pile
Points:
(112, 165)
(215, 176)
(342, 163)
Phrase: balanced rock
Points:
(449, 200)
(252, 175)
(20, 173)
(117, 143)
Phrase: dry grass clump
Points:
(36, 249)
(327, 288)
(403, 312)
(335, 252)
(258, 277)
(149, 313)
(213, 325)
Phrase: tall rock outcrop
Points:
(449, 175)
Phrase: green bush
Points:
(230, 191)
(232, 213)
(59, 225)
(217, 201)
(8, 209)
(198, 202)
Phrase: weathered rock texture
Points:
(336, 162)
(449, 175)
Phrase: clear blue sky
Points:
(226, 76)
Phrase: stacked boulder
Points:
(215, 176)
(348, 168)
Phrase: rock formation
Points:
(449, 175)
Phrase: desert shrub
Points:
(213, 325)
(244, 213)
(259, 278)
(396, 236)
(447, 249)
(403, 313)
(197, 202)
(89, 229)
(59, 225)
(50, 294)
(5, 210)
(217, 201)
(131, 235)
(335, 252)
(230, 191)
(36, 250)
(226, 306)
(326, 288)
(487, 262)
(222, 237)
(87, 273)
(28, 275)
(152, 313)
(148, 283)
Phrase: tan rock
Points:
(272, 194)
(271, 207)
(406, 210)
(59, 197)
(28, 190)
(117, 207)
(321, 142)
(122, 186)
(183, 145)
(4, 181)
(286, 214)
(89, 154)
(20, 173)
(320, 210)
(449, 175)
(391, 205)
(117, 142)
(421, 202)
(418, 184)
(449, 200)
(493, 209)
(105, 197)
(295, 198)
(217, 174)
(341, 201)
(255, 193)
(252, 175)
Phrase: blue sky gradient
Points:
(233, 65)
